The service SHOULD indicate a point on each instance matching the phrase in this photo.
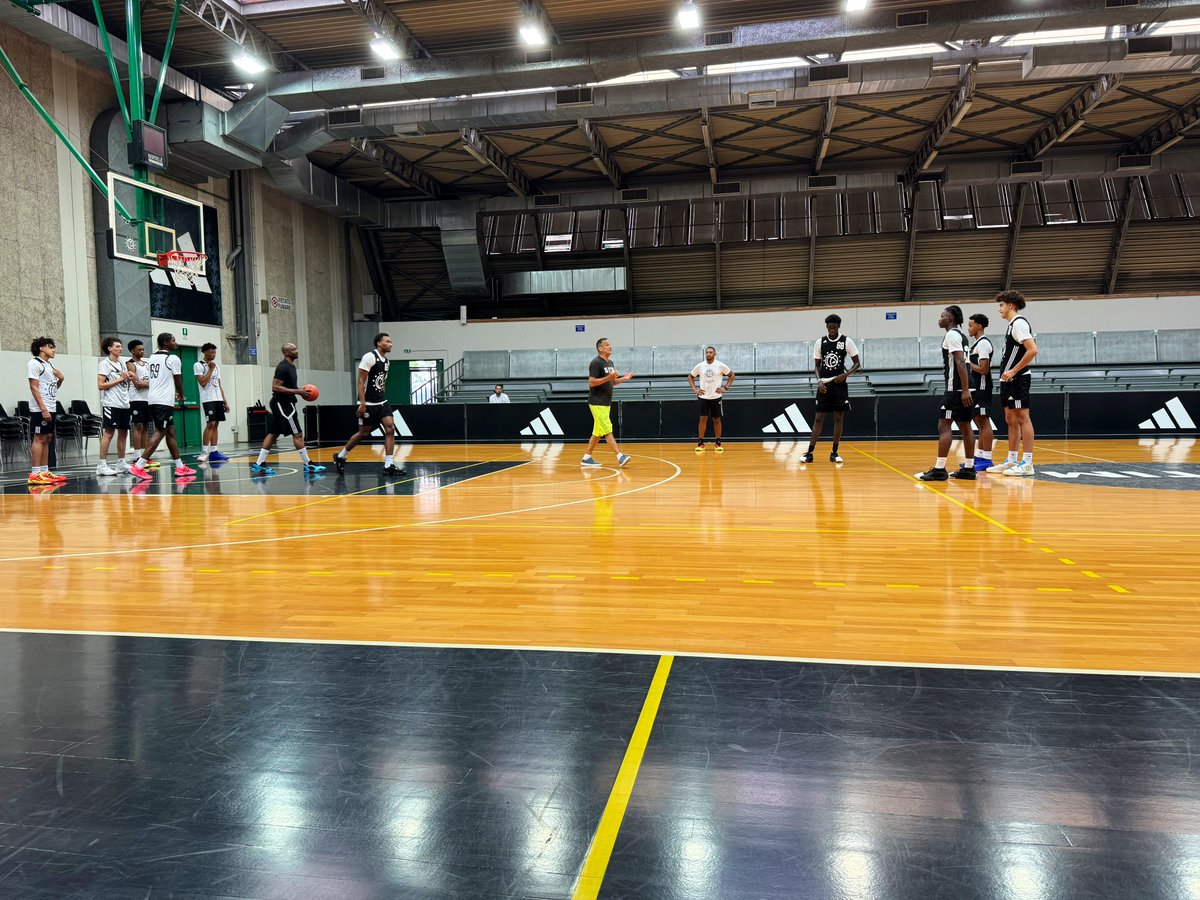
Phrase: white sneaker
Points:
(105, 469)
(203, 457)
(123, 467)
(1023, 468)
(1000, 468)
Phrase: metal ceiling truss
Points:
(952, 113)
(232, 25)
(1170, 131)
(601, 155)
(1120, 230)
(706, 135)
(827, 118)
(1071, 117)
(487, 153)
(385, 23)
(397, 168)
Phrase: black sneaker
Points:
(964, 473)
(808, 457)
(339, 463)
(934, 474)
(392, 472)
(835, 457)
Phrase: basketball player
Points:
(44, 382)
(285, 419)
(710, 372)
(981, 388)
(373, 408)
(602, 375)
(957, 403)
(212, 401)
(139, 399)
(833, 394)
(1020, 349)
(113, 380)
(166, 389)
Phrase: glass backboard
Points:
(145, 220)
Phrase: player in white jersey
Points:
(44, 382)
(166, 389)
(113, 380)
(212, 401)
(710, 391)
(139, 397)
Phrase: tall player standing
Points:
(212, 401)
(139, 398)
(833, 394)
(113, 380)
(44, 382)
(166, 389)
(711, 392)
(1020, 349)
(373, 407)
(957, 402)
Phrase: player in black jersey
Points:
(980, 361)
(833, 394)
(285, 418)
(1020, 349)
(374, 411)
(957, 403)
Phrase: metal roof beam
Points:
(385, 23)
(952, 113)
(1120, 230)
(489, 154)
(1070, 117)
(601, 155)
(1170, 131)
(230, 24)
(397, 168)
(823, 138)
(706, 135)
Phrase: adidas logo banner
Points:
(543, 424)
(402, 428)
(954, 425)
(1172, 417)
(790, 421)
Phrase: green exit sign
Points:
(185, 332)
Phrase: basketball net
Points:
(188, 263)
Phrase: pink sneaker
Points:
(181, 471)
(139, 472)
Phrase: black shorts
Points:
(710, 407)
(163, 417)
(1015, 393)
(113, 417)
(983, 403)
(214, 411)
(375, 415)
(836, 397)
(38, 425)
(285, 418)
(139, 412)
(952, 408)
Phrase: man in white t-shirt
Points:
(711, 373)
(44, 382)
(166, 389)
(212, 401)
(498, 395)
(112, 378)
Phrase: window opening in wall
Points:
(425, 381)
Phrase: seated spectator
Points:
(499, 396)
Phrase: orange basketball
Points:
(311, 392)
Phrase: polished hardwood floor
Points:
(1090, 566)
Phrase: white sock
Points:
(941, 463)
(1028, 457)
(983, 454)
(1012, 456)
(387, 460)
(178, 463)
(341, 454)
(262, 455)
(304, 456)
(587, 456)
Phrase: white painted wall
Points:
(448, 339)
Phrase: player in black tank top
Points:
(833, 394)
(957, 405)
(373, 409)
(982, 354)
(1020, 350)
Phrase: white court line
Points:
(301, 537)
(693, 654)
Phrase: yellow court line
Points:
(756, 581)
(977, 587)
(1119, 589)
(972, 510)
(264, 572)
(626, 577)
(1090, 574)
(692, 579)
(440, 574)
(1046, 549)
(1054, 590)
(595, 863)
(1065, 561)
(904, 586)
(829, 584)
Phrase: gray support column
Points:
(914, 205)
(1120, 230)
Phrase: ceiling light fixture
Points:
(688, 16)
(533, 34)
(385, 48)
(857, 5)
(251, 65)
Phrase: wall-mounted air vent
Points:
(538, 56)
(573, 96)
(824, 182)
(829, 74)
(912, 18)
(1033, 167)
(1117, 4)
(632, 195)
(1149, 46)
(344, 117)
(371, 73)
(1135, 161)
(763, 99)
(718, 38)
(726, 187)
(547, 200)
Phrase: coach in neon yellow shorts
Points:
(602, 375)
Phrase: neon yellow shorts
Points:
(602, 420)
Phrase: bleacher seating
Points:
(1067, 361)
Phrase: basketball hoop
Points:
(188, 263)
